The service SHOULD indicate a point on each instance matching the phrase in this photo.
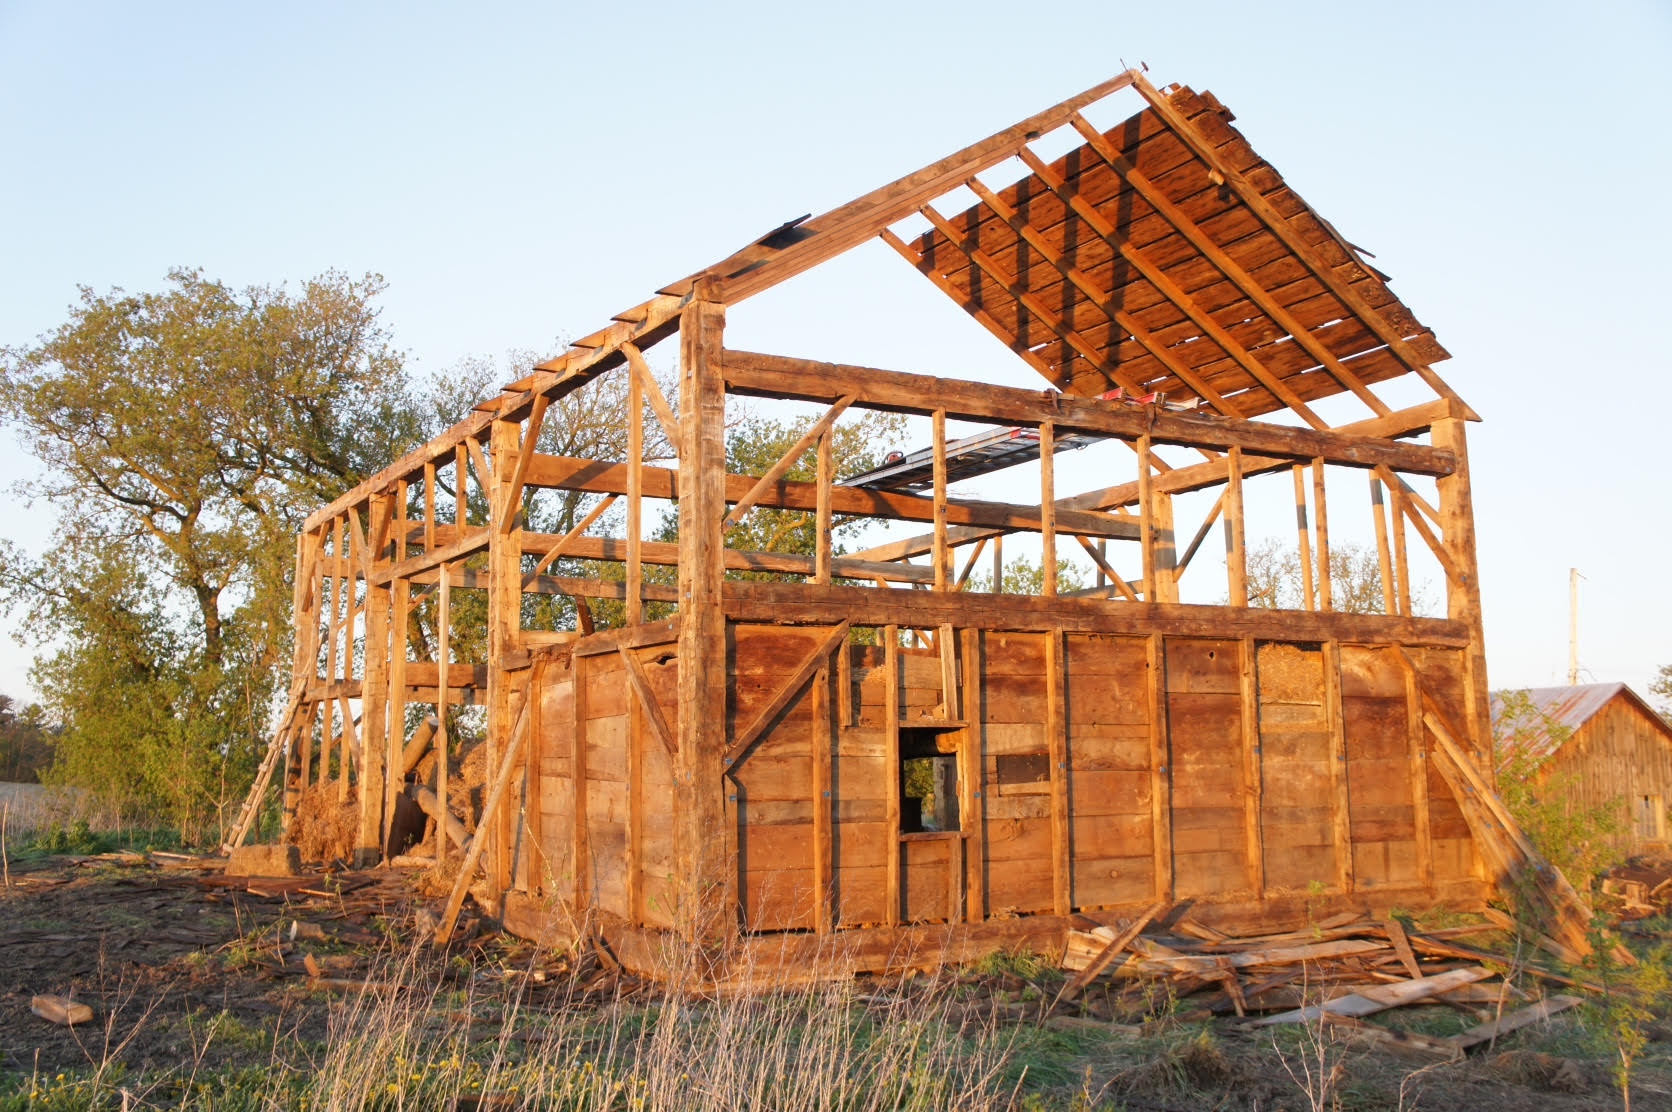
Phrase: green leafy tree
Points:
(1276, 581)
(183, 435)
(25, 741)
(1661, 688)
(1580, 840)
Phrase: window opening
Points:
(928, 781)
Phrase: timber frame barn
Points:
(732, 775)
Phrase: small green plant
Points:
(1632, 997)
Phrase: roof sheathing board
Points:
(1068, 334)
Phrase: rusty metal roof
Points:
(1567, 707)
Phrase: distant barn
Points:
(1608, 744)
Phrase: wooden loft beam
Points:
(898, 391)
(1169, 289)
(760, 265)
(1239, 277)
(765, 601)
(1201, 476)
(1279, 226)
(565, 473)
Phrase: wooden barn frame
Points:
(732, 775)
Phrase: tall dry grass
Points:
(411, 1043)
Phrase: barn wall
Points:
(1096, 772)
(1620, 758)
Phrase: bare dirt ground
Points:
(209, 992)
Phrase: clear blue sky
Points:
(522, 172)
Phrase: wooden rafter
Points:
(1100, 298)
(1244, 281)
(1168, 288)
(1286, 232)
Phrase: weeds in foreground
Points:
(410, 1039)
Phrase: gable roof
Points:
(1569, 707)
(1161, 254)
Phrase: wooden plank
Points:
(1303, 536)
(1418, 750)
(972, 788)
(652, 392)
(1048, 506)
(1369, 1001)
(823, 539)
(942, 557)
(1253, 847)
(1056, 739)
(891, 770)
(1160, 764)
(823, 740)
(1340, 805)
(633, 612)
(708, 896)
(763, 601)
(1110, 951)
(1236, 545)
(1321, 513)
(1146, 510)
(1514, 1021)
(649, 705)
(1384, 561)
(565, 473)
(815, 659)
(823, 237)
(896, 391)
(490, 816)
(789, 459)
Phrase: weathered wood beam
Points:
(761, 265)
(759, 601)
(780, 376)
(567, 473)
(1291, 238)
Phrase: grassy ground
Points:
(204, 1001)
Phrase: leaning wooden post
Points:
(706, 908)
(1457, 519)
(1236, 544)
(1384, 560)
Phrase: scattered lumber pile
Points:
(1338, 972)
(1639, 889)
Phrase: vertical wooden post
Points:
(971, 789)
(707, 906)
(1056, 738)
(635, 804)
(1320, 511)
(1161, 773)
(443, 657)
(942, 556)
(1166, 548)
(1303, 537)
(1252, 784)
(1047, 505)
(461, 488)
(581, 852)
(429, 506)
(998, 564)
(1457, 519)
(1401, 559)
(1417, 739)
(374, 691)
(824, 736)
(333, 631)
(400, 628)
(635, 498)
(305, 600)
(1341, 817)
(1236, 550)
(1384, 561)
(1146, 509)
(891, 762)
(825, 477)
(505, 539)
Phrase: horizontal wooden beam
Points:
(812, 604)
(780, 376)
(566, 473)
